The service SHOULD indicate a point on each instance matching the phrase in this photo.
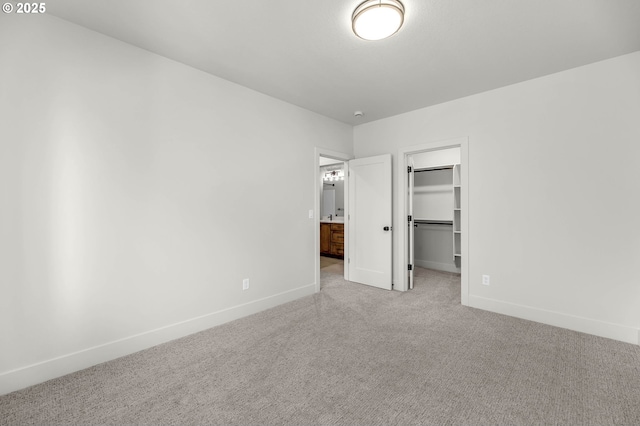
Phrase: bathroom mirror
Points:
(332, 194)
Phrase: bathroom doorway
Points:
(332, 208)
(331, 204)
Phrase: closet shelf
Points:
(457, 216)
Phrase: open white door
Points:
(370, 240)
(412, 230)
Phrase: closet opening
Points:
(433, 244)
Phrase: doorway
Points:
(332, 219)
(331, 170)
(367, 230)
(434, 210)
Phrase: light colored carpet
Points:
(355, 355)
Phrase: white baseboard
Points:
(584, 325)
(447, 267)
(37, 373)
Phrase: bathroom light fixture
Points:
(333, 176)
(377, 19)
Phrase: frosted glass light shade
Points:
(377, 19)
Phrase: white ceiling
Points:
(304, 52)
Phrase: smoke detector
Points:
(358, 114)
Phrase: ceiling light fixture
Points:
(377, 19)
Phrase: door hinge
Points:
(348, 260)
(409, 218)
(409, 169)
(410, 267)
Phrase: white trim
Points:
(46, 370)
(403, 153)
(558, 319)
(322, 152)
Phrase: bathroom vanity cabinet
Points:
(332, 239)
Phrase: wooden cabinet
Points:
(325, 238)
(332, 240)
(337, 240)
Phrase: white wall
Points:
(134, 197)
(554, 167)
(434, 247)
(433, 195)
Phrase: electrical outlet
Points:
(310, 214)
(245, 284)
(485, 280)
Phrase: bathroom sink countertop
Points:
(335, 220)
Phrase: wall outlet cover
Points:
(485, 280)
(245, 284)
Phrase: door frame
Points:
(403, 154)
(340, 156)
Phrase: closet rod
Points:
(432, 222)
(432, 169)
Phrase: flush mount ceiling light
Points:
(377, 19)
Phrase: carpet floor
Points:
(355, 355)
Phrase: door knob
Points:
(386, 228)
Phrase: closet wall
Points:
(433, 210)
